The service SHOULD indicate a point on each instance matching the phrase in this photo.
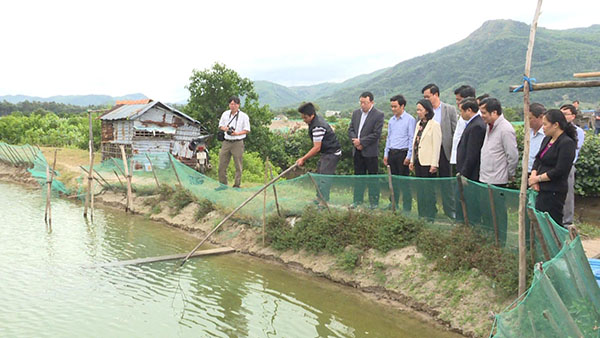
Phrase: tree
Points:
(210, 91)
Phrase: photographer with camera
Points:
(235, 124)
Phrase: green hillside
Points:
(491, 59)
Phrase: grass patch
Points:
(349, 259)
(204, 207)
(587, 230)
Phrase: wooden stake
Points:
(117, 165)
(102, 178)
(463, 203)
(553, 232)
(121, 183)
(523, 191)
(274, 189)
(493, 209)
(128, 176)
(153, 173)
(319, 192)
(541, 239)
(265, 204)
(390, 184)
(175, 171)
(91, 171)
(558, 85)
(591, 74)
(573, 232)
(236, 210)
(88, 173)
(49, 191)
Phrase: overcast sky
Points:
(151, 47)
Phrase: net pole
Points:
(463, 203)
(274, 189)
(153, 172)
(319, 192)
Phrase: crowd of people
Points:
(475, 141)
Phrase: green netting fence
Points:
(31, 158)
(563, 300)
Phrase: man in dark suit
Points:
(446, 116)
(469, 155)
(364, 132)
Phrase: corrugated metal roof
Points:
(132, 111)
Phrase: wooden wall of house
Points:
(107, 131)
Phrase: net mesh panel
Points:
(35, 162)
(563, 300)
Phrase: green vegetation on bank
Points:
(349, 234)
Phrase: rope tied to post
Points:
(529, 80)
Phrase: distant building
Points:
(330, 113)
(146, 126)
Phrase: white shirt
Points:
(535, 142)
(363, 117)
(437, 113)
(460, 128)
(242, 122)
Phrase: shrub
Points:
(348, 259)
(204, 207)
(180, 199)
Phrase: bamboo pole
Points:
(493, 210)
(91, 171)
(16, 155)
(274, 189)
(153, 173)
(264, 225)
(117, 165)
(102, 178)
(121, 183)
(128, 204)
(319, 192)
(463, 203)
(523, 190)
(573, 232)
(391, 186)
(236, 210)
(558, 85)
(590, 74)
(88, 173)
(541, 239)
(175, 171)
(9, 157)
(553, 232)
(48, 193)
(531, 241)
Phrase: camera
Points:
(230, 130)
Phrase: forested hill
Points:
(491, 59)
(76, 100)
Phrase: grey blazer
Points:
(448, 125)
(370, 132)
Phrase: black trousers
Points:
(363, 166)
(425, 196)
(553, 203)
(396, 161)
(326, 166)
(445, 170)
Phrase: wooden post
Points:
(153, 173)
(175, 171)
(128, 205)
(91, 171)
(274, 189)
(573, 232)
(553, 232)
(102, 178)
(88, 173)
(236, 210)
(117, 165)
(391, 185)
(265, 203)
(591, 74)
(463, 203)
(493, 209)
(541, 239)
(49, 191)
(558, 85)
(523, 190)
(532, 241)
(319, 192)
(121, 183)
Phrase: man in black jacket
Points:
(324, 142)
(364, 132)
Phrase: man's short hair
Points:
(307, 109)
(433, 89)
(569, 107)
(576, 101)
(400, 99)
(491, 104)
(465, 91)
(537, 109)
(481, 97)
(469, 103)
(234, 98)
(367, 94)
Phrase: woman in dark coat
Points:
(553, 163)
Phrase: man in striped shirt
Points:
(324, 142)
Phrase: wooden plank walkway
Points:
(217, 251)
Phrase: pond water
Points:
(49, 285)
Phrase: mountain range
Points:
(490, 59)
(78, 100)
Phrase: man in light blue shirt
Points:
(398, 149)
(536, 132)
(570, 113)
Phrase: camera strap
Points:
(235, 117)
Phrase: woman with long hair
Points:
(553, 163)
(427, 143)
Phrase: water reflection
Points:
(47, 288)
